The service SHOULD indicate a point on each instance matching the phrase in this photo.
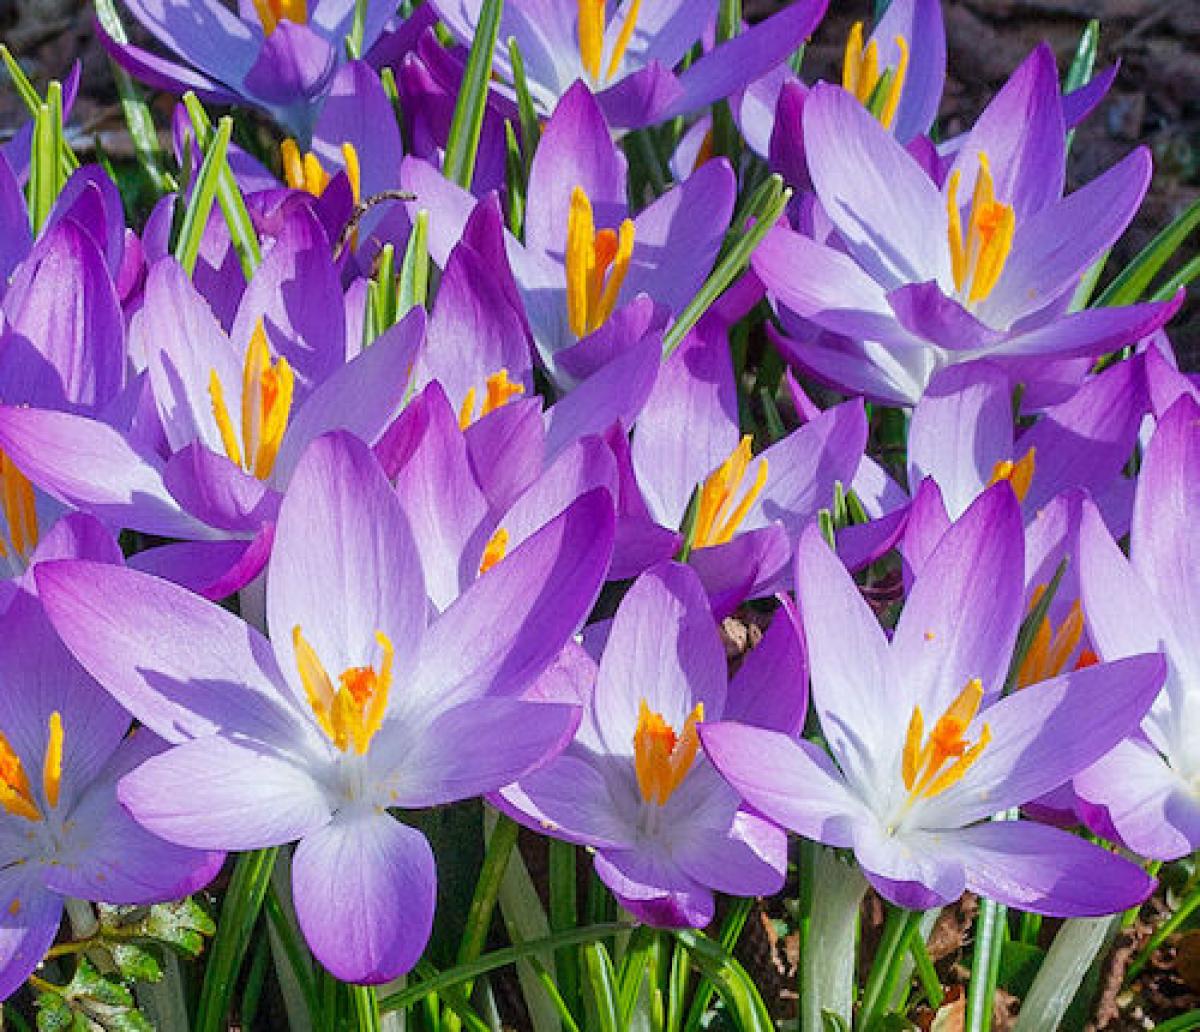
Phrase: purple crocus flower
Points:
(912, 803)
(63, 747)
(666, 829)
(626, 53)
(358, 703)
(908, 277)
(585, 256)
(1149, 602)
(280, 56)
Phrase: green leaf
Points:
(604, 1004)
(229, 194)
(135, 963)
(354, 41)
(414, 270)
(515, 180)
(33, 101)
(90, 1002)
(204, 193)
(1083, 63)
(531, 128)
(1134, 280)
(462, 144)
(735, 987)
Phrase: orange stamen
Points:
(661, 758)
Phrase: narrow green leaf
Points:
(731, 931)
(632, 970)
(564, 912)
(1134, 280)
(1189, 905)
(204, 193)
(990, 928)
(239, 913)
(531, 128)
(734, 986)
(765, 208)
(1073, 951)
(365, 1004)
(1082, 64)
(498, 959)
(134, 107)
(726, 140)
(1030, 625)
(354, 41)
(462, 144)
(514, 178)
(43, 168)
(294, 950)
(1182, 278)
(229, 194)
(898, 931)
(32, 101)
(602, 989)
(414, 270)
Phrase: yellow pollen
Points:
(500, 391)
(52, 762)
(978, 255)
(351, 714)
(661, 758)
(305, 171)
(924, 761)
(717, 518)
(267, 388)
(19, 505)
(591, 37)
(272, 12)
(1019, 473)
(861, 74)
(15, 794)
(496, 549)
(596, 266)
(1052, 647)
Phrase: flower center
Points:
(930, 766)
(591, 37)
(718, 518)
(19, 505)
(16, 796)
(352, 713)
(878, 89)
(272, 12)
(1052, 647)
(499, 392)
(660, 757)
(1019, 473)
(597, 262)
(266, 403)
(978, 254)
(305, 172)
(494, 551)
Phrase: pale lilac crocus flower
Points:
(359, 703)
(666, 829)
(922, 748)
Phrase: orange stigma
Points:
(1052, 647)
(495, 550)
(978, 256)
(16, 795)
(718, 519)
(266, 404)
(19, 505)
(597, 262)
(272, 12)
(878, 89)
(924, 763)
(591, 38)
(1019, 473)
(661, 758)
(351, 714)
(500, 391)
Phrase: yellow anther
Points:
(923, 764)
(661, 758)
(1019, 473)
(353, 170)
(52, 763)
(495, 550)
(15, 794)
(861, 74)
(272, 12)
(596, 266)
(717, 518)
(19, 504)
(351, 714)
(1052, 647)
(499, 391)
(591, 37)
(305, 171)
(267, 388)
(978, 256)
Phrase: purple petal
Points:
(28, 925)
(929, 315)
(1090, 332)
(340, 876)
(214, 490)
(651, 887)
(207, 33)
(920, 23)
(770, 688)
(294, 66)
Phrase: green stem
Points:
(294, 951)
(985, 965)
(365, 1003)
(898, 931)
(564, 914)
(931, 985)
(731, 931)
(239, 913)
(1190, 902)
(1182, 1023)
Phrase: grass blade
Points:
(462, 145)
(204, 192)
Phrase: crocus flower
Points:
(236, 411)
(280, 56)
(63, 748)
(627, 53)
(923, 749)
(358, 703)
(914, 277)
(666, 829)
(1145, 603)
(585, 255)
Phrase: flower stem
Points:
(365, 1003)
(899, 928)
(1190, 903)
